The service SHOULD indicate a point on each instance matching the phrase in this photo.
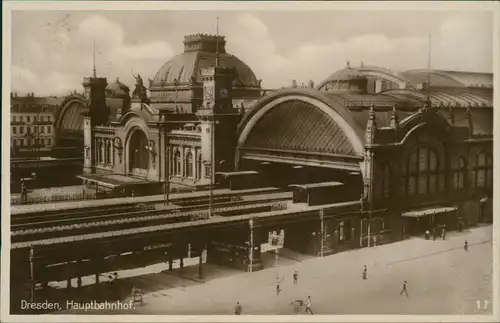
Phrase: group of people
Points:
(435, 233)
(238, 308)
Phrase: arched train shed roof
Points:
(309, 120)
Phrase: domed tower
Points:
(365, 79)
(117, 98)
(178, 84)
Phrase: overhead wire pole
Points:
(429, 68)
(217, 44)
(212, 148)
(95, 73)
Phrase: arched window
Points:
(460, 173)
(423, 173)
(189, 164)
(483, 171)
(100, 150)
(177, 162)
(198, 167)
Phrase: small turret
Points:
(394, 117)
(371, 126)
(468, 117)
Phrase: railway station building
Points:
(415, 148)
(371, 157)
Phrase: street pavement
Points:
(442, 279)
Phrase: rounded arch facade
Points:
(341, 135)
(70, 118)
(136, 138)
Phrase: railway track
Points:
(143, 218)
(28, 219)
(76, 214)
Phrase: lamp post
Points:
(369, 229)
(322, 234)
(210, 187)
(277, 257)
(211, 165)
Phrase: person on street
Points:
(308, 305)
(278, 288)
(466, 246)
(365, 273)
(136, 294)
(295, 277)
(404, 290)
(237, 309)
(434, 234)
(443, 233)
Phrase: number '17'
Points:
(484, 303)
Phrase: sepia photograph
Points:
(270, 160)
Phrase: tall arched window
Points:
(189, 164)
(460, 173)
(198, 166)
(108, 152)
(423, 173)
(483, 170)
(177, 162)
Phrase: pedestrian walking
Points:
(443, 233)
(466, 246)
(434, 234)
(365, 273)
(308, 305)
(404, 290)
(237, 309)
(278, 288)
(295, 277)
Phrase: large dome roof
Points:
(200, 53)
(117, 90)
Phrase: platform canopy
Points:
(307, 187)
(233, 174)
(115, 180)
(429, 211)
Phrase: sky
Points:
(53, 50)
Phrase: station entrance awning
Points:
(424, 212)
